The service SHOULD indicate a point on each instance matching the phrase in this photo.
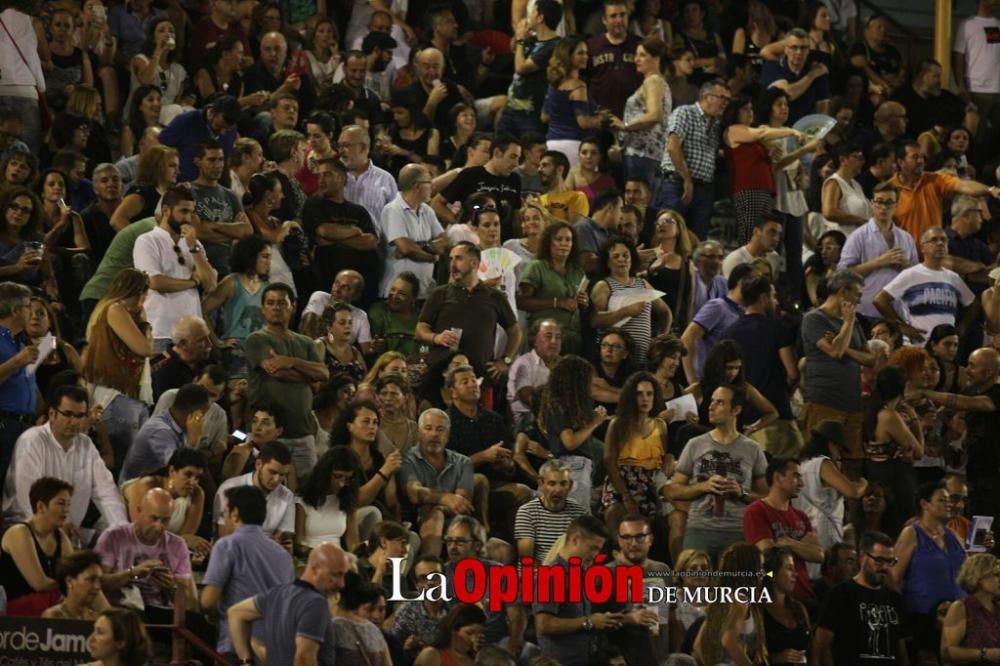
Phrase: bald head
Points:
(983, 369)
(273, 49)
(410, 175)
(153, 515)
(326, 568)
(430, 66)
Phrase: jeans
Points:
(31, 120)
(713, 542)
(641, 167)
(519, 123)
(123, 417)
(697, 214)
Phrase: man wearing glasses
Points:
(18, 395)
(809, 89)
(864, 616)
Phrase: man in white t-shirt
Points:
(270, 470)
(764, 241)
(976, 57)
(930, 293)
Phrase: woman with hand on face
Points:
(378, 493)
(41, 322)
(144, 111)
(78, 576)
(158, 64)
(823, 263)
(119, 639)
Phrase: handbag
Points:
(44, 113)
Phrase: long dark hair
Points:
(731, 115)
(459, 616)
(260, 184)
(7, 197)
(316, 486)
(627, 416)
(149, 46)
(713, 373)
(890, 383)
(762, 111)
(339, 435)
(567, 392)
(136, 121)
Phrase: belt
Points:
(26, 419)
(676, 177)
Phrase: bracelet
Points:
(384, 477)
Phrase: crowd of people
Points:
(303, 305)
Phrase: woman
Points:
(619, 262)
(461, 636)
(568, 111)
(552, 286)
(85, 101)
(635, 452)
(336, 349)
(694, 569)
(222, 73)
(651, 24)
(357, 639)
(822, 264)
(328, 404)
(822, 45)
(433, 392)
(672, 272)
(94, 36)
(749, 164)
(144, 111)
(586, 175)
(321, 133)
(844, 202)
(412, 137)
(732, 632)
(119, 639)
(328, 498)
(21, 247)
(958, 140)
(613, 367)
(238, 295)
(263, 196)
(724, 366)
(786, 622)
(395, 319)
(29, 550)
(41, 322)
(972, 626)
(709, 54)
(180, 477)
(568, 419)
(534, 219)
(69, 65)
(57, 214)
(78, 576)
(644, 127)
(157, 171)
(889, 333)
(824, 485)
(388, 363)
(942, 345)
(893, 440)
(119, 344)
(18, 168)
(397, 429)
(682, 90)
(929, 557)
(759, 31)
(462, 120)
(158, 64)
(323, 53)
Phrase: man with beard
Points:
(188, 131)
(347, 287)
(219, 210)
(434, 480)
(496, 178)
(611, 70)
(342, 232)
(175, 262)
(563, 202)
(541, 522)
(268, 476)
(864, 616)
(926, 103)
(97, 216)
(354, 73)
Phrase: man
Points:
(881, 167)
(295, 617)
(764, 241)
(267, 423)
(433, 92)
(720, 472)
(342, 232)
(840, 564)
(355, 76)
(926, 103)
(594, 232)
(460, 65)
(129, 23)
(347, 287)
(773, 521)
(275, 73)
(144, 556)
(128, 167)
(535, 39)
(541, 521)
(922, 195)
(414, 238)
(687, 171)
(566, 629)
(531, 371)
(559, 199)
(283, 366)
(877, 58)
(61, 449)
(175, 262)
(192, 345)
(706, 328)
(158, 438)
(245, 563)
(466, 303)
(18, 391)
(97, 216)
(189, 130)
(496, 178)
(284, 115)
(976, 57)
(214, 425)
(369, 186)
(219, 210)
(808, 88)
(968, 254)
(862, 621)
(878, 250)
(708, 280)
(769, 364)
(611, 70)
(835, 348)
(222, 19)
(529, 171)
(269, 473)
(958, 498)
(889, 126)
(117, 258)
(981, 402)
(415, 622)
(929, 293)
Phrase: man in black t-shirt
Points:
(862, 622)
(342, 232)
(97, 216)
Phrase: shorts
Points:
(813, 413)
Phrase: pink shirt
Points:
(120, 549)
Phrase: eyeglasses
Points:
(883, 561)
(71, 415)
(180, 257)
(665, 221)
(884, 202)
(725, 98)
(612, 346)
(20, 209)
(633, 537)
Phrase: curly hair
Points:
(628, 418)
(316, 486)
(339, 434)
(912, 360)
(975, 569)
(604, 259)
(567, 391)
(561, 62)
(545, 244)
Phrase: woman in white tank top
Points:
(845, 205)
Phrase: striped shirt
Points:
(372, 190)
(699, 137)
(534, 521)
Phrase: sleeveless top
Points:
(982, 627)
(749, 166)
(930, 578)
(645, 452)
(109, 362)
(852, 201)
(639, 328)
(702, 48)
(651, 142)
(824, 506)
(780, 637)
(354, 368)
(601, 183)
(446, 658)
(562, 115)
(66, 71)
(241, 314)
(753, 56)
(14, 582)
(150, 199)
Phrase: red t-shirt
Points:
(762, 521)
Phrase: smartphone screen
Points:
(240, 435)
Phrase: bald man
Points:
(274, 73)
(980, 402)
(295, 617)
(434, 93)
(142, 558)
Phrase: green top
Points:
(397, 331)
(117, 258)
(295, 397)
(549, 284)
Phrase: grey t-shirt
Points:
(216, 204)
(742, 459)
(832, 382)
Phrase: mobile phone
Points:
(240, 435)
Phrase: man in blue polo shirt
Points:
(188, 131)
(18, 394)
(808, 87)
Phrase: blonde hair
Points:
(380, 363)
(736, 559)
(84, 101)
(686, 557)
(561, 61)
(536, 203)
(683, 246)
(975, 569)
(153, 164)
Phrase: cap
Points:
(377, 40)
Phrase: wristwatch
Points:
(588, 624)
(508, 361)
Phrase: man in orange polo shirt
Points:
(922, 195)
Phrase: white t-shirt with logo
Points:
(979, 39)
